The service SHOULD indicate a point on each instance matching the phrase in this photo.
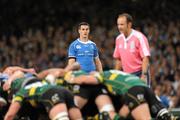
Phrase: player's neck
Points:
(128, 33)
(83, 39)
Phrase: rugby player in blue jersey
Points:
(85, 52)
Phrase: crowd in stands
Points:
(41, 40)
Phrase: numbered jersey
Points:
(119, 82)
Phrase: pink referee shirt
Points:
(131, 50)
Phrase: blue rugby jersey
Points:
(84, 53)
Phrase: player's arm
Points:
(97, 60)
(12, 111)
(145, 67)
(82, 79)
(117, 56)
(12, 69)
(28, 70)
(14, 76)
(56, 72)
(86, 79)
(98, 64)
(71, 61)
(145, 54)
(71, 54)
(118, 65)
(72, 67)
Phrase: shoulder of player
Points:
(74, 42)
(119, 37)
(91, 42)
(138, 34)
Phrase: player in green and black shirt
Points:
(140, 99)
(57, 100)
(95, 92)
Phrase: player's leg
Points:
(75, 113)
(103, 101)
(124, 111)
(59, 112)
(54, 100)
(136, 102)
(81, 93)
(80, 101)
(141, 112)
(73, 110)
(104, 104)
(157, 109)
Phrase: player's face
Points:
(84, 31)
(122, 25)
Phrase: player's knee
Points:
(61, 116)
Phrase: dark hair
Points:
(83, 23)
(128, 17)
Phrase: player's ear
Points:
(129, 24)
(79, 30)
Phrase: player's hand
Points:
(144, 78)
(32, 70)
(98, 76)
(69, 77)
(6, 86)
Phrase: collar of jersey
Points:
(126, 39)
(83, 42)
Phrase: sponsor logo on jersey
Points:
(140, 97)
(78, 46)
(55, 98)
(76, 88)
(92, 46)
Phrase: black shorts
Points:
(140, 94)
(54, 96)
(88, 91)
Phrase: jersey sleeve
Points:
(96, 54)
(19, 97)
(144, 46)
(72, 51)
(116, 53)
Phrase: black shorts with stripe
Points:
(55, 96)
(140, 94)
(89, 91)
